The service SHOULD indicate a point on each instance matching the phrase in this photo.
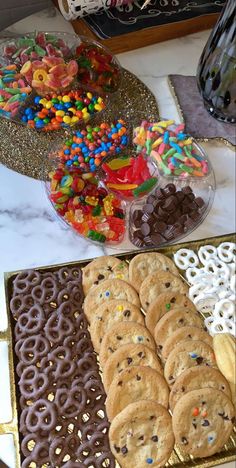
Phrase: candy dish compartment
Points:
(105, 223)
(72, 41)
(93, 76)
(199, 151)
(201, 188)
(142, 183)
(173, 160)
(69, 39)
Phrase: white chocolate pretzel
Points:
(207, 252)
(186, 258)
(226, 252)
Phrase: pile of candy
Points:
(167, 214)
(97, 68)
(87, 148)
(51, 74)
(171, 148)
(211, 274)
(55, 111)
(13, 90)
(87, 207)
(35, 47)
(128, 176)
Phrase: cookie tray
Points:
(177, 459)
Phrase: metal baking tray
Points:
(177, 459)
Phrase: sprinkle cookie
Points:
(123, 333)
(103, 268)
(166, 302)
(185, 355)
(109, 313)
(203, 421)
(145, 264)
(127, 356)
(157, 283)
(169, 323)
(196, 378)
(127, 387)
(106, 291)
(182, 334)
(141, 435)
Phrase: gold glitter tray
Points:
(177, 459)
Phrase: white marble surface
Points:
(30, 234)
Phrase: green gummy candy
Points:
(96, 210)
(145, 186)
(41, 52)
(186, 168)
(25, 42)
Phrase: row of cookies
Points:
(200, 395)
(122, 347)
(132, 372)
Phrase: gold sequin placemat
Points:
(25, 150)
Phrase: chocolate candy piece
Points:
(137, 217)
(145, 229)
(157, 239)
(148, 208)
(160, 226)
(160, 194)
(187, 189)
(200, 202)
(167, 214)
(169, 189)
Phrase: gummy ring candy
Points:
(40, 75)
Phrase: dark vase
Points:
(216, 74)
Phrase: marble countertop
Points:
(30, 234)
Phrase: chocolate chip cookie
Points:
(183, 334)
(102, 268)
(123, 333)
(196, 378)
(185, 355)
(166, 302)
(145, 264)
(135, 383)
(127, 356)
(106, 291)
(170, 322)
(142, 435)
(109, 313)
(203, 421)
(157, 283)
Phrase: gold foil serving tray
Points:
(177, 459)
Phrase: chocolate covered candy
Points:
(167, 214)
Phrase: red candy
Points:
(125, 175)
